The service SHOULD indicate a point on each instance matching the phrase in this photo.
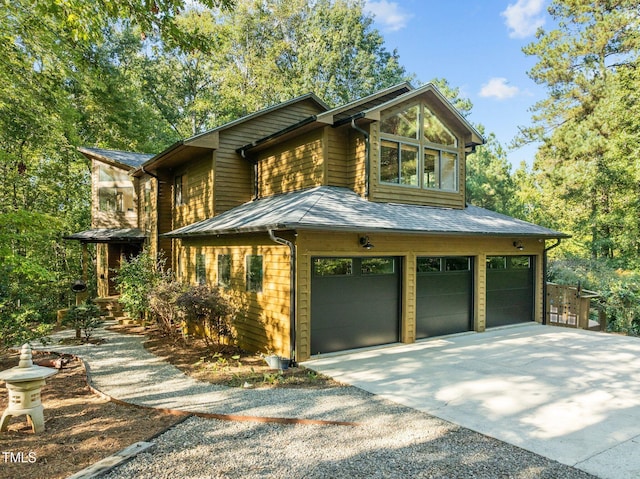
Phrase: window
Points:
(377, 266)
(201, 268)
(115, 199)
(177, 191)
(109, 174)
(496, 262)
(254, 273)
(224, 270)
(520, 262)
(333, 266)
(414, 140)
(437, 265)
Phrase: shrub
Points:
(619, 289)
(135, 280)
(163, 306)
(209, 311)
(84, 317)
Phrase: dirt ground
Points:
(82, 428)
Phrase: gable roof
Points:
(209, 140)
(341, 209)
(116, 157)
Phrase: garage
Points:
(444, 295)
(510, 290)
(355, 302)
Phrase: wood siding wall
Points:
(264, 318)
(408, 247)
(234, 174)
(294, 165)
(197, 191)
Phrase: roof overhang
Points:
(108, 235)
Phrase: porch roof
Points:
(108, 235)
(339, 209)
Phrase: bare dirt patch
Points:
(224, 365)
(81, 427)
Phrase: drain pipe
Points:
(544, 279)
(367, 154)
(292, 296)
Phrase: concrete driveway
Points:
(569, 395)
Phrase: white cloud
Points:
(498, 88)
(524, 17)
(388, 15)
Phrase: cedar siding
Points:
(263, 320)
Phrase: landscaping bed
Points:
(81, 427)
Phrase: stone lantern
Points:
(24, 383)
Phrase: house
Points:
(337, 228)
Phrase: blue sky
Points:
(477, 46)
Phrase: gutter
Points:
(544, 279)
(367, 152)
(292, 294)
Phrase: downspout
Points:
(544, 279)
(292, 295)
(367, 154)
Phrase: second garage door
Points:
(444, 299)
(355, 302)
(510, 290)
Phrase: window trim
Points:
(423, 145)
(227, 283)
(249, 282)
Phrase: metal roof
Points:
(333, 208)
(107, 235)
(134, 160)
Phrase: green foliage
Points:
(489, 181)
(620, 289)
(209, 311)
(163, 305)
(137, 277)
(586, 170)
(84, 317)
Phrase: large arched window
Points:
(418, 150)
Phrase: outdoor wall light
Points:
(518, 245)
(365, 243)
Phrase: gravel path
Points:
(391, 441)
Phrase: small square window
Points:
(428, 265)
(254, 273)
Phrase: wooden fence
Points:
(574, 307)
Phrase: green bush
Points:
(209, 311)
(163, 306)
(136, 279)
(619, 289)
(84, 317)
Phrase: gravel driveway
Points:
(391, 442)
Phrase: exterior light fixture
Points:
(518, 245)
(365, 243)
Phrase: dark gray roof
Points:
(133, 160)
(106, 235)
(332, 208)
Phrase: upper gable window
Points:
(417, 149)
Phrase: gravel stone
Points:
(391, 441)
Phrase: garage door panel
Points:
(510, 290)
(357, 308)
(444, 299)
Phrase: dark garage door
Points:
(510, 290)
(443, 296)
(355, 302)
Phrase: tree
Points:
(489, 181)
(588, 64)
